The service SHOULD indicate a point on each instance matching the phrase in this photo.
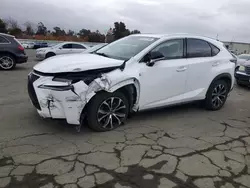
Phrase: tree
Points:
(120, 30)
(96, 37)
(29, 29)
(58, 32)
(13, 27)
(70, 33)
(135, 32)
(84, 33)
(41, 29)
(3, 27)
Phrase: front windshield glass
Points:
(127, 47)
(94, 48)
(246, 57)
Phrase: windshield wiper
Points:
(102, 54)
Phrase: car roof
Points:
(184, 35)
(6, 35)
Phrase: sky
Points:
(229, 19)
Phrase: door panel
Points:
(200, 63)
(65, 49)
(165, 80)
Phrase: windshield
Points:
(127, 47)
(246, 57)
(94, 48)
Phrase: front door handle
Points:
(215, 64)
(181, 69)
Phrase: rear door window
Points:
(78, 46)
(198, 48)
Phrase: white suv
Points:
(135, 73)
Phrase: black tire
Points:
(11, 58)
(49, 54)
(210, 102)
(95, 105)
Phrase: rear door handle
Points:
(181, 69)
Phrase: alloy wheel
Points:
(111, 113)
(219, 95)
(6, 62)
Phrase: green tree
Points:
(135, 32)
(84, 33)
(58, 32)
(3, 27)
(41, 29)
(70, 33)
(120, 30)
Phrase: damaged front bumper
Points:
(61, 100)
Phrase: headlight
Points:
(57, 88)
(242, 68)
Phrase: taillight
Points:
(20, 48)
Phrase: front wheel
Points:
(217, 95)
(107, 111)
(49, 54)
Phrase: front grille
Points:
(247, 69)
(31, 79)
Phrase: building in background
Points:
(238, 47)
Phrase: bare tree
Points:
(11, 23)
(29, 28)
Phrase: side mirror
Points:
(152, 57)
(156, 55)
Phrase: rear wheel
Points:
(7, 62)
(49, 54)
(107, 111)
(217, 95)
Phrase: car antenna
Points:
(122, 67)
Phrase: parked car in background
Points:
(38, 45)
(11, 52)
(135, 73)
(244, 56)
(62, 48)
(28, 45)
(95, 48)
(242, 73)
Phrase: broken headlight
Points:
(74, 79)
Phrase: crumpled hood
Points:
(75, 63)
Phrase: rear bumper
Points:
(21, 59)
(242, 78)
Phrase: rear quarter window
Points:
(215, 50)
(3, 40)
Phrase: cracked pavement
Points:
(185, 146)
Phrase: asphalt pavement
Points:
(184, 146)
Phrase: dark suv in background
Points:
(11, 52)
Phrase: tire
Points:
(100, 118)
(49, 54)
(7, 62)
(212, 102)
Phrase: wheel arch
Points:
(8, 53)
(224, 76)
(50, 52)
(131, 88)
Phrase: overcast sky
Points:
(230, 19)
